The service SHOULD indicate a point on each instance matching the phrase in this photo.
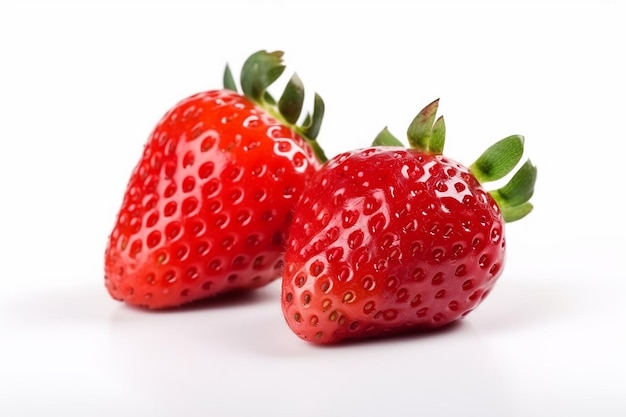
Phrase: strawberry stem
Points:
(260, 71)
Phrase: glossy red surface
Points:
(388, 239)
(207, 206)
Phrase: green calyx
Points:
(498, 161)
(427, 134)
(514, 197)
(260, 71)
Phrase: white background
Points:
(83, 83)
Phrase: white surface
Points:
(83, 83)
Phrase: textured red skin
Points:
(386, 240)
(207, 207)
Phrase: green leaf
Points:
(513, 198)
(311, 127)
(438, 135)
(499, 159)
(292, 99)
(267, 97)
(424, 133)
(521, 186)
(229, 81)
(511, 214)
(259, 71)
(311, 130)
(386, 138)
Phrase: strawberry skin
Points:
(207, 207)
(386, 240)
(391, 239)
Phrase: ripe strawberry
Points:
(207, 207)
(388, 239)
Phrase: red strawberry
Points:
(207, 207)
(387, 239)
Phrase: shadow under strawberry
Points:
(232, 299)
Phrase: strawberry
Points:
(387, 240)
(207, 207)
